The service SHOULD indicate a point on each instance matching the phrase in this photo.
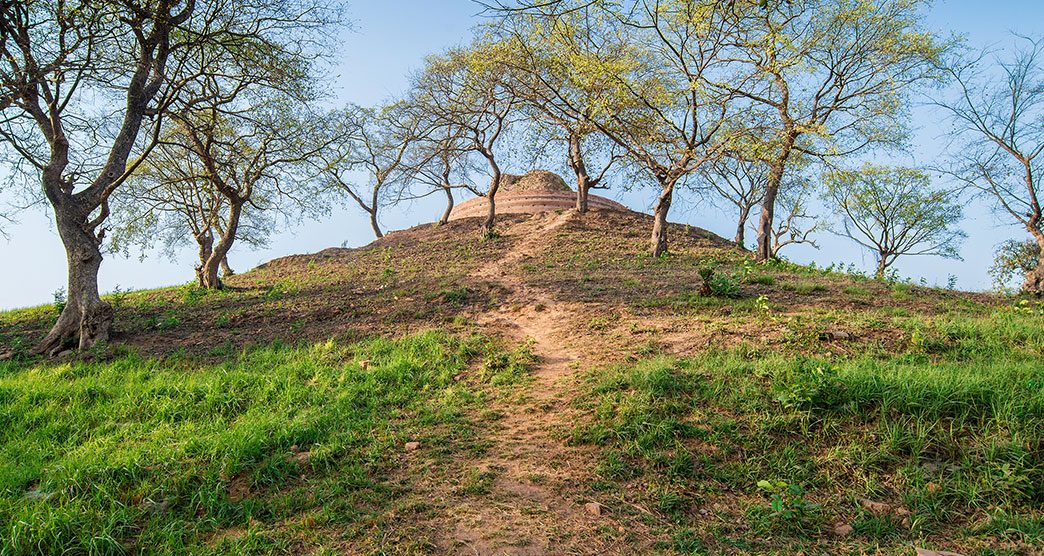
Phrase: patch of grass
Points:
(170, 454)
(947, 433)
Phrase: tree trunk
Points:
(208, 271)
(768, 204)
(449, 205)
(373, 224)
(226, 270)
(658, 240)
(1034, 282)
(583, 181)
(741, 227)
(85, 315)
(882, 265)
(494, 186)
(205, 240)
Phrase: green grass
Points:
(168, 453)
(951, 430)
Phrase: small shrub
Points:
(59, 301)
(788, 506)
(811, 386)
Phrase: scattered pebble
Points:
(411, 446)
(593, 508)
(843, 529)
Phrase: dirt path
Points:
(532, 505)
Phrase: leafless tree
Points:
(998, 138)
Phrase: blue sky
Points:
(390, 38)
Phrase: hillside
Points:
(552, 390)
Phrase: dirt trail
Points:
(531, 505)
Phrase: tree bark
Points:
(373, 224)
(449, 205)
(226, 270)
(494, 186)
(85, 314)
(882, 266)
(205, 241)
(208, 272)
(741, 227)
(583, 181)
(658, 240)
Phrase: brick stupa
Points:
(533, 192)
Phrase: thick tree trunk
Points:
(1034, 281)
(205, 241)
(583, 188)
(741, 227)
(449, 205)
(208, 271)
(658, 240)
(85, 315)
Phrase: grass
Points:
(266, 451)
(949, 434)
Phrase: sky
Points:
(388, 40)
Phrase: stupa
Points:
(533, 192)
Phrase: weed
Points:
(59, 300)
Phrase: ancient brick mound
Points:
(533, 192)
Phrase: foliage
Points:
(895, 212)
(1013, 260)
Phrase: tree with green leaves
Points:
(999, 140)
(895, 212)
(653, 64)
(469, 92)
(60, 58)
(825, 78)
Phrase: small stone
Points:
(156, 507)
(704, 511)
(876, 507)
(302, 458)
(65, 353)
(593, 508)
(295, 448)
(926, 552)
(365, 364)
(843, 529)
(902, 512)
(411, 446)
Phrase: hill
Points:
(551, 390)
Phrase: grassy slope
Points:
(920, 423)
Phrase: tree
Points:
(562, 98)
(59, 60)
(370, 142)
(828, 78)
(999, 140)
(738, 182)
(223, 175)
(655, 61)
(433, 162)
(797, 225)
(895, 212)
(467, 91)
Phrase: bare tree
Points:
(798, 224)
(468, 91)
(59, 59)
(738, 182)
(438, 161)
(999, 140)
(894, 212)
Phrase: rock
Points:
(835, 335)
(411, 446)
(843, 529)
(593, 508)
(876, 507)
(902, 512)
(65, 353)
(302, 458)
(156, 507)
(926, 552)
(295, 448)
(365, 364)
